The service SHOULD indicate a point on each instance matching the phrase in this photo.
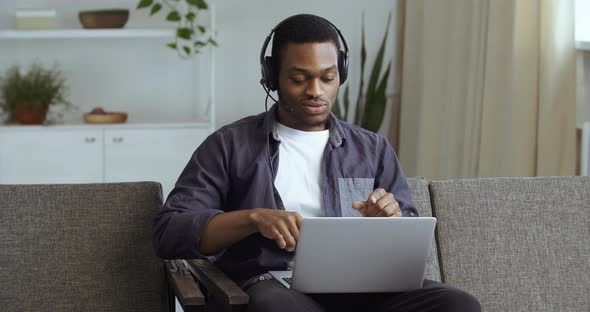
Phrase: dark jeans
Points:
(270, 295)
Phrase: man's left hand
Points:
(379, 204)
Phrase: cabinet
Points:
(61, 156)
(149, 154)
(92, 154)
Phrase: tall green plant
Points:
(370, 103)
(191, 36)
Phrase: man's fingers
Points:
(358, 205)
(381, 204)
(293, 228)
(382, 213)
(361, 207)
(298, 220)
(385, 200)
(278, 238)
(373, 211)
(287, 237)
(392, 210)
(376, 195)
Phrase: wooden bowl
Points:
(114, 117)
(115, 18)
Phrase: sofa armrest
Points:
(219, 287)
(185, 287)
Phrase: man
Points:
(245, 190)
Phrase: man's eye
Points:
(328, 79)
(298, 80)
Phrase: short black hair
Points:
(302, 28)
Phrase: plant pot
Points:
(30, 114)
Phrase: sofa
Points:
(517, 244)
(86, 247)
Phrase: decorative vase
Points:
(30, 114)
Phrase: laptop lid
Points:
(347, 255)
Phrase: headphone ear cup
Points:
(268, 74)
(343, 66)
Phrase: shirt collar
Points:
(337, 135)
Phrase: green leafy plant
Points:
(191, 36)
(370, 103)
(39, 86)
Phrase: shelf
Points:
(127, 125)
(583, 45)
(86, 33)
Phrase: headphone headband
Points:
(269, 78)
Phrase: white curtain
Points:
(488, 88)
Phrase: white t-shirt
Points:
(298, 179)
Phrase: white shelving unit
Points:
(86, 33)
(53, 37)
(118, 67)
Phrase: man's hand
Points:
(379, 204)
(278, 225)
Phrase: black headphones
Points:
(269, 76)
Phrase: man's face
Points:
(308, 84)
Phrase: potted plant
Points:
(370, 102)
(191, 36)
(26, 98)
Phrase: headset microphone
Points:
(281, 104)
(267, 94)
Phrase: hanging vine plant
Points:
(191, 36)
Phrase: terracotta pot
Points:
(33, 115)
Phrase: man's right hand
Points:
(279, 225)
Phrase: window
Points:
(582, 26)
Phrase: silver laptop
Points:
(352, 255)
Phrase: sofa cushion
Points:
(421, 198)
(517, 244)
(80, 248)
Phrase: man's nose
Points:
(314, 89)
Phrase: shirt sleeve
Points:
(391, 178)
(199, 195)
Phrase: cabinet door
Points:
(150, 154)
(51, 156)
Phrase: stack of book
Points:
(35, 19)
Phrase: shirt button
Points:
(261, 278)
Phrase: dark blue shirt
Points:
(234, 169)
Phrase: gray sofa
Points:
(517, 244)
(86, 247)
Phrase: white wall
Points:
(582, 8)
(243, 26)
(583, 87)
(144, 77)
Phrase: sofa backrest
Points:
(421, 198)
(517, 244)
(80, 247)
